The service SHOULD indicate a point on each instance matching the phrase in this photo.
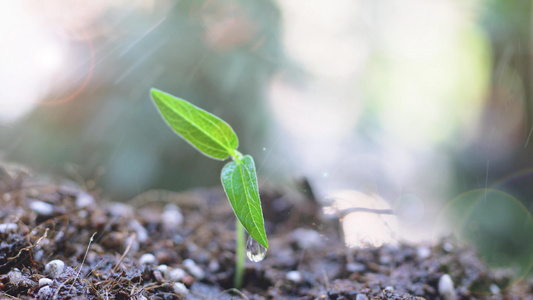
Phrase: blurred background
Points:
(420, 106)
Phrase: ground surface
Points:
(190, 244)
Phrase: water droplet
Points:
(255, 251)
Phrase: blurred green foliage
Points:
(217, 54)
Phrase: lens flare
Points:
(85, 82)
(498, 225)
(517, 183)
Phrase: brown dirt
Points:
(101, 243)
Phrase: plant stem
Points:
(236, 156)
(239, 263)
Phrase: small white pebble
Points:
(54, 268)
(15, 276)
(38, 254)
(162, 268)
(193, 269)
(355, 267)
(446, 289)
(180, 289)
(192, 247)
(84, 199)
(294, 276)
(134, 244)
(494, 289)
(171, 206)
(121, 210)
(147, 259)
(42, 208)
(82, 214)
(45, 292)
(8, 227)
(388, 289)
(361, 297)
(306, 238)
(45, 281)
(385, 259)
(423, 252)
(447, 247)
(213, 266)
(172, 217)
(59, 235)
(175, 274)
(142, 233)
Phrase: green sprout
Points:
(216, 139)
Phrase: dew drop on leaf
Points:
(255, 251)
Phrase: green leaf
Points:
(206, 132)
(240, 183)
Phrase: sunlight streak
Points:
(27, 74)
(85, 82)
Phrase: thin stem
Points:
(236, 155)
(344, 212)
(239, 263)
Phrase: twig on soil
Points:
(132, 292)
(133, 238)
(326, 279)
(30, 246)
(236, 291)
(149, 286)
(61, 285)
(83, 260)
(92, 287)
(8, 296)
(92, 270)
(344, 212)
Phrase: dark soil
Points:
(101, 244)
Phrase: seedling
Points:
(216, 139)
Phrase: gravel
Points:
(54, 268)
(42, 253)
